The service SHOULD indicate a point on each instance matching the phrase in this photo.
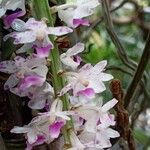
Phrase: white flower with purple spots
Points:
(24, 72)
(40, 97)
(35, 34)
(88, 80)
(39, 126)
(99, 139)
(40, 130)
(56, 112)
(73, 13)
(46, 127)
(71, 59)
(94, 113)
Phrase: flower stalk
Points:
(42, 11)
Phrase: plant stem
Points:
(139, 72)
(110, 29)
(42, 11)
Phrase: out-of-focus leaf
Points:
(141, 136)
(7, 49)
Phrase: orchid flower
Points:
(73, 13)
(88, 80)
(35, 34)
(70, 59)
(25, 72)
(40, 130)
(93, 114)
(99, 139)
(40, 97)
(56, 112)
(38, 127)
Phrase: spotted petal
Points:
(8, 67)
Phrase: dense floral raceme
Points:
(84, 83)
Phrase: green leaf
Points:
(141, 136)
(7, 49)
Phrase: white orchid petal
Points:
(13, 5)
(112, 133)
(96, 85)
(11, 82)
(8, 67)
(54, 105)
(90, 125)
(65, 89)
(110, 104)
(105, 77)
(67, 16)
(32, 137)
(76, 49)
(75, 142)
(99, 67)
(19, 130)
(2, 11)
(59, 30)
(24, 37)
(63, 115)
(41, 70)
(37, 103)
(18, 25)
(68, 61)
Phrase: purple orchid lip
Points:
(77, 59)
(8, 19)
(31, 80)
(43, 51)
(54, 128)
(88, 92)
(78, 22)
(40, 139)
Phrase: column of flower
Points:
(83, 83)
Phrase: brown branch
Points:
(119, 69)
(120, 49)
(139, 73)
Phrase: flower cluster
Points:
(83, 82)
